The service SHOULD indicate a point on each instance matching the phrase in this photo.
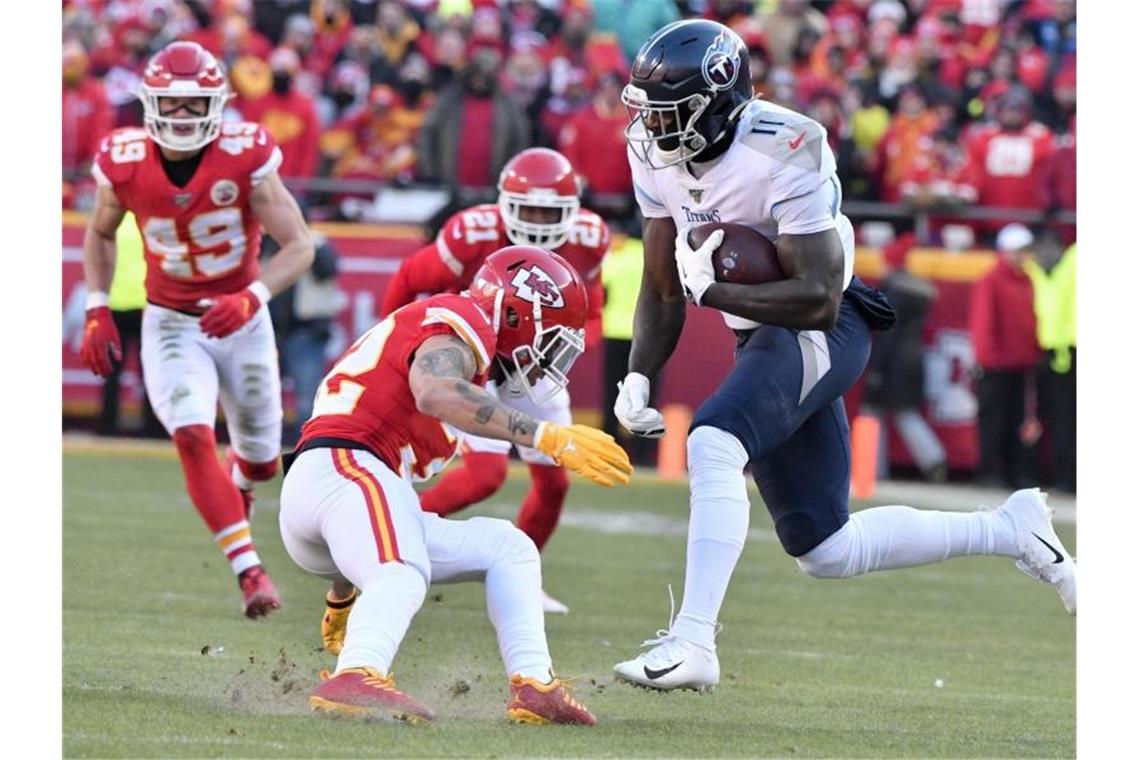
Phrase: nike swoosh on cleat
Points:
(1048, 546)
(653, 675)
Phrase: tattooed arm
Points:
(440, 379)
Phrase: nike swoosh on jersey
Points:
(1049, 546)
(793, 144)
(653, 675)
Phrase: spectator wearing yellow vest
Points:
(1054, 279)
(621, 280)
(126, 300)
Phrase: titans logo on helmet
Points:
(719, 66)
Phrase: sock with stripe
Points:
(215, 495)
(481, 475)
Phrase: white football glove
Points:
(632, 407)
(696, 267)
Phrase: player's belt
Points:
(323, 442)
(187, 312)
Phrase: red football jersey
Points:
(470, 236)
(201, 240)
(1012, 166)
(365, 397)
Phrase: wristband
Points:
(538, 435)
(97, 299)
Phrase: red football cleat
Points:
(260, 595)
(363, 693)
(533, 702)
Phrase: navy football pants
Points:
(783, 400)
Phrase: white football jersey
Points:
(778, 177)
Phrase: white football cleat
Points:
(1043, 556)
(672, 663)
(552, 606)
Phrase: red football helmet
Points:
(537, 305)
(538, 178)
(183, 70)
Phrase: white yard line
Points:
(950, 496)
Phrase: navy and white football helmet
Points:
(687, 85)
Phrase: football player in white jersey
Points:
(703, 149)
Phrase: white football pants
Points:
(187, 373)
(346, 516)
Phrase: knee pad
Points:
(506, 542)
(257, 471)
(194, 439)
(411, 577)
(487, 471)
(833, 557)
(712, 450)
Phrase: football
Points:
(745, 256)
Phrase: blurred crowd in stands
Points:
(933, 103)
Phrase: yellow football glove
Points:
(586, 451)
(335, 622)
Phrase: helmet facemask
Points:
(550, 357)
(183, 133)
(664, 132)
(549, 235)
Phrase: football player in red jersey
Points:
(538, 205)
(201, 192)
(390, 412)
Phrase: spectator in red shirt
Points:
(87, 115)
(375, 142)
(289, 115)
(1062, 183)
(581, 47)
(942, 179)
(594, 135)
(230, 37)
(1003, 328)
(472, 130)
(1013, 156)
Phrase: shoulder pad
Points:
(119, 153)
(586, 216)
(783, 135)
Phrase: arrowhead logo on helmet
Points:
(535, 285)
(720, 67)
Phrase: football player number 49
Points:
(212, 229)
(219, 229)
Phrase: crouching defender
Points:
(386, 414)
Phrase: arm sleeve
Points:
(422, 272)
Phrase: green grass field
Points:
(810, 668)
